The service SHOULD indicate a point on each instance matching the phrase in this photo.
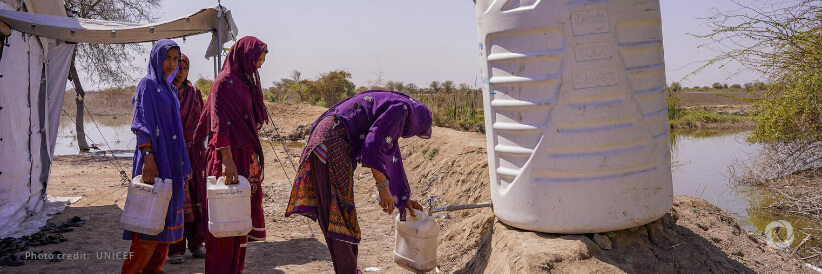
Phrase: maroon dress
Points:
(234, 111)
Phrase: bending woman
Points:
(161, 152)
(234, 112)
(365, 128)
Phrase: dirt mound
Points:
(694, 237)
(293, 121)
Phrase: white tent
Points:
(34, 66)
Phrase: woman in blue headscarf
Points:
(161, 152)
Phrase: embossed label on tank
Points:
(595, 78)
(593, 51)
(590, 22)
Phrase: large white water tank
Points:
(576, 113)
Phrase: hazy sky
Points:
(410, 41)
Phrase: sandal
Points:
(32, 242)
(52, 240)
(7, 242)
(199, 253)
(57, 256)
(176, 259)
(21, 247)
(40, 237)
(11, 260)
(60, 237)
(49, 227)
(6, 251)
(75, 222)
(62, 228)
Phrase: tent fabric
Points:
(80, 30)
(20, 167)
(59, 58)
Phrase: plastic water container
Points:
(415, 246)
(229, 207)
(576, 113)
(146, 206)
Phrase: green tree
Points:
(333, 86)
(412, 88)
(736, 86)
(780, 40)
(717, 85)
(204, 85)
(791, 110)
(674, 87)
(395, 86)
(434, 87)
(448, 86)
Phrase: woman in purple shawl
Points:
(191, 107)
(234, 112)
(365, 128)
(161, 152)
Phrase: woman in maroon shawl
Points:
(234, 112)
(191, 107)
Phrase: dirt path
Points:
(451, 166)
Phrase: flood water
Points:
(110, 134)
(701, 168)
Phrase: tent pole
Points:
(219, 38)
(214, 64)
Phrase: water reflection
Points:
(701, 161)
(111, 135)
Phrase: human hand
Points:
(411, 204)
(149, 170)
(386, 201)
(230, 172)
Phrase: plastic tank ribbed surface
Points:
(576, 113)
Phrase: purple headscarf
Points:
(375, 120)
(156, 121)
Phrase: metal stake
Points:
(432, 209)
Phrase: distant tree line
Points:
(456, 106)
(749, 87)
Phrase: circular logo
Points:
(772, 234)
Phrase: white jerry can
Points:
(229, 207)
(415, 246)
(576, 113)
(146, 206)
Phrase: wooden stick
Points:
(802, 243)
(4, 29)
